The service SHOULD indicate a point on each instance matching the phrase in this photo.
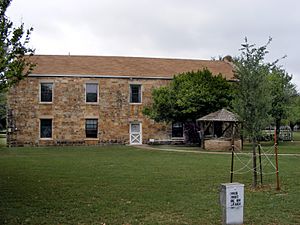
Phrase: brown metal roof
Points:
(221, 115)
(125, 66)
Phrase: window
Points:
(177, 129)
(91, 128)
(91, 92)
(135, 93)
(46, 128)
(46, 92)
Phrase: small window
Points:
(135, 93)
(91, 92)
(46, 128)
(177, 130)
(46, 92)
(91, 128)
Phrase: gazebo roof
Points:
(221, 115)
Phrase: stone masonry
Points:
(69, 111)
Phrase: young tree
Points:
(14, 50)
(253, 101)
(190, 96)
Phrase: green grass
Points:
(2, 140)
(284, 147)
(124, 185)
(296, 136)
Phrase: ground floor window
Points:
(91, 128)
(177, 129)
(46, 128)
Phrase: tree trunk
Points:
(254, 185)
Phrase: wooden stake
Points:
(232, 158)
(276, 159)
(232, 154)
(260, 165)
(254, 185)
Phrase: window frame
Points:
(40, 92)
(40, 129)
(97, 128)
(97, 94)
(181, 127)
(139, 93)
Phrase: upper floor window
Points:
(91, 92)
(46, 128)
(46, 92)
(135, 93)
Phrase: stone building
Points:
(89, 100)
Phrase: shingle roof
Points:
(221, 115)
(125, 66)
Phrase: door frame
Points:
(139, 135)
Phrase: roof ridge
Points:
(129, 57)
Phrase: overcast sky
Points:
(199, 29)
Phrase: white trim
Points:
(91, 82)
(98, 129)
(40, 91)
(101, 76)
(137, 133)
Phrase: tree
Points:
(14, 51)
(2, 111)
(190, 96)
(253, 99)
(253, 102)
(293, 117)
(282, 91)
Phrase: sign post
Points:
(232, 202)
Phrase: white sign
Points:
(232, 202)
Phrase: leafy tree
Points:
(293, 117)
(2, 111)
(14, 62)
(253, 101)
(282, 91)
(190, 96)
(263, 93)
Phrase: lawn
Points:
(2, 140)
(125, 185)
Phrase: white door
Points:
(135, 133)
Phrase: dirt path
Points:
(202, 152)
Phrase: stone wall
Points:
(222, 144)
(69, 110)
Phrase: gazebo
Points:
(219, 131)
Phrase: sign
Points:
(232, 202)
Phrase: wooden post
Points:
(254, 185)
(260, 165)
(232, 159)
(276, 159)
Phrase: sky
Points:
(193, 29)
